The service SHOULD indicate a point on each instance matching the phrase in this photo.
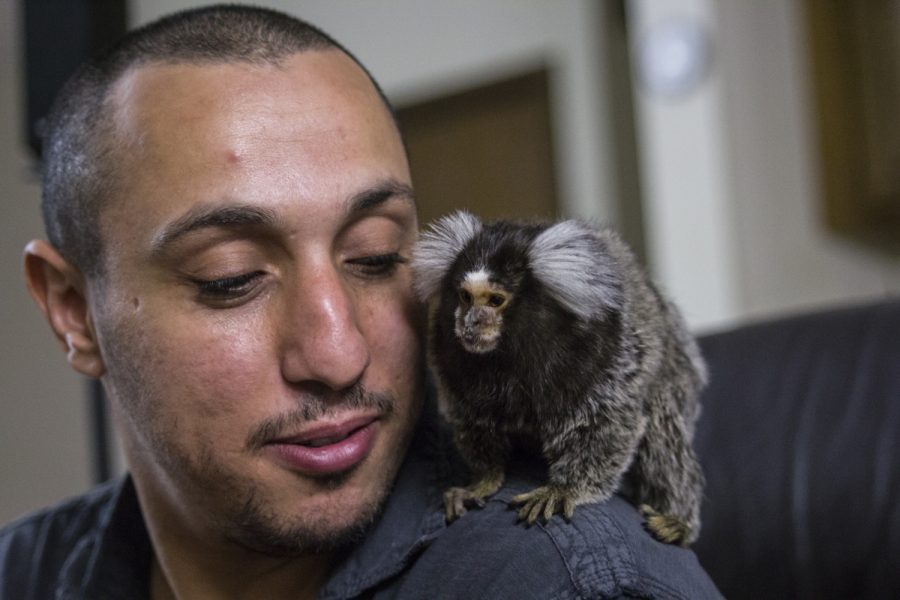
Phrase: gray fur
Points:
(568, 258)
(604, 376)
(438, 248)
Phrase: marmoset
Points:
(552, 332)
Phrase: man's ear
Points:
(59, 289)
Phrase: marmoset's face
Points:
(479, 314)
(257, 326)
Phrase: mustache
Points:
(317, 407)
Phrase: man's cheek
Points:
(217, 376)
(398, 342)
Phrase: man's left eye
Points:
(380, 265)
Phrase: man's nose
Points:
(322, 343)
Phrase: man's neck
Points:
(190, 562)
(174, 575)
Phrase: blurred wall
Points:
(730, 173)
(44, 446)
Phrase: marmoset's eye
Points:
(496, 300)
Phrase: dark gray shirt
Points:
(96, 547)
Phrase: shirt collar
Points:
(114, 561)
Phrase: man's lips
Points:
(327, 448)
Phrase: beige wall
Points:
(730, 174)
(787, 259)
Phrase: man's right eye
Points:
(227, 288)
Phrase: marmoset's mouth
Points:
(478, 342)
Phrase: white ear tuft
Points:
(573, 262)
(438, 247)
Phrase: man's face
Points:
(256, 321)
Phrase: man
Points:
(230, 216)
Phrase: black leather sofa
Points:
(800, 442)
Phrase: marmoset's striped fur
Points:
(552, 332)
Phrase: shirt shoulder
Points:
(604, 552)
(37, 549)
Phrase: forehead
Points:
(309, 131)
(176, 112)
(197, 91)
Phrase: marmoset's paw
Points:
(666, 528)
(455, 503)
(457, 500)
(544, 501)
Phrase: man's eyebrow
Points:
(226, 217)
(379, 194)
(234, 216)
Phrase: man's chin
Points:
(327, 522)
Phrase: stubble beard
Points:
(256, 528)
(241, 512)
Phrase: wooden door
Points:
(488, 150)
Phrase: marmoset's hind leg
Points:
(668, 482)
